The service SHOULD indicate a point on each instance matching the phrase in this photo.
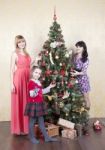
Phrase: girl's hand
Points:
(52, 85)
(13, 88)
(75, 73)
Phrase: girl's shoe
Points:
(34, 141)
(50, 139)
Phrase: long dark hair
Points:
(84, 53)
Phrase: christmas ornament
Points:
(53, 45)
(66, 95)
(56, 57)
(55, 72)
(60, 64)
(62, 72)
(76, 81)
(51, 59)
(70, 85)
(67, 55)
(43, 64)
(46, 53)
(61, 104)
(48, 72)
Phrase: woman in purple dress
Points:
(81, 62)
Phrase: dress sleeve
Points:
(85, 66)
(46, 90)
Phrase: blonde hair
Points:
(19, 38)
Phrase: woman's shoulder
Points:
(14, 54)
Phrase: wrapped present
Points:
(66, 123)
(52, 130)
(69, 133)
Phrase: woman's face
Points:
(36, 73)
(21, 44)
(79, 50)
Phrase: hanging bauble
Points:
(56, 57)
(62, 72)
(43, 64)
(70, 85)
(67, 55)
(46, 53)
(61, 104)
(67, 114)
(76, 81)
(48, 72)
(55, 72)
(66, 82)
(60, 64)
(53, 45)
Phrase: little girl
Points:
(35, 107)
(81, 62)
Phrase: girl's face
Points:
(36, 73)
(79, 50)
(21, 44)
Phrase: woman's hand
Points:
(75, 73)
(13, 89)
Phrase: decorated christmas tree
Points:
(65, 99)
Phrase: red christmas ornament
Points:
(46, 53)
(62, 72)
(55, 72)
(48, 72)
(70, 85)
(43, 64)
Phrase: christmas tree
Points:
(65, 100)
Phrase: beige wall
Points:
(79, 20)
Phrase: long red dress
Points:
(19, 122)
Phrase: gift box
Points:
(69, 133)
(66, 123)
(52, 130)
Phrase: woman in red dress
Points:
(20, 72)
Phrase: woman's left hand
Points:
(75, 73)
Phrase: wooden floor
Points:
(95, 141)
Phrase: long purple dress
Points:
(83, 80)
